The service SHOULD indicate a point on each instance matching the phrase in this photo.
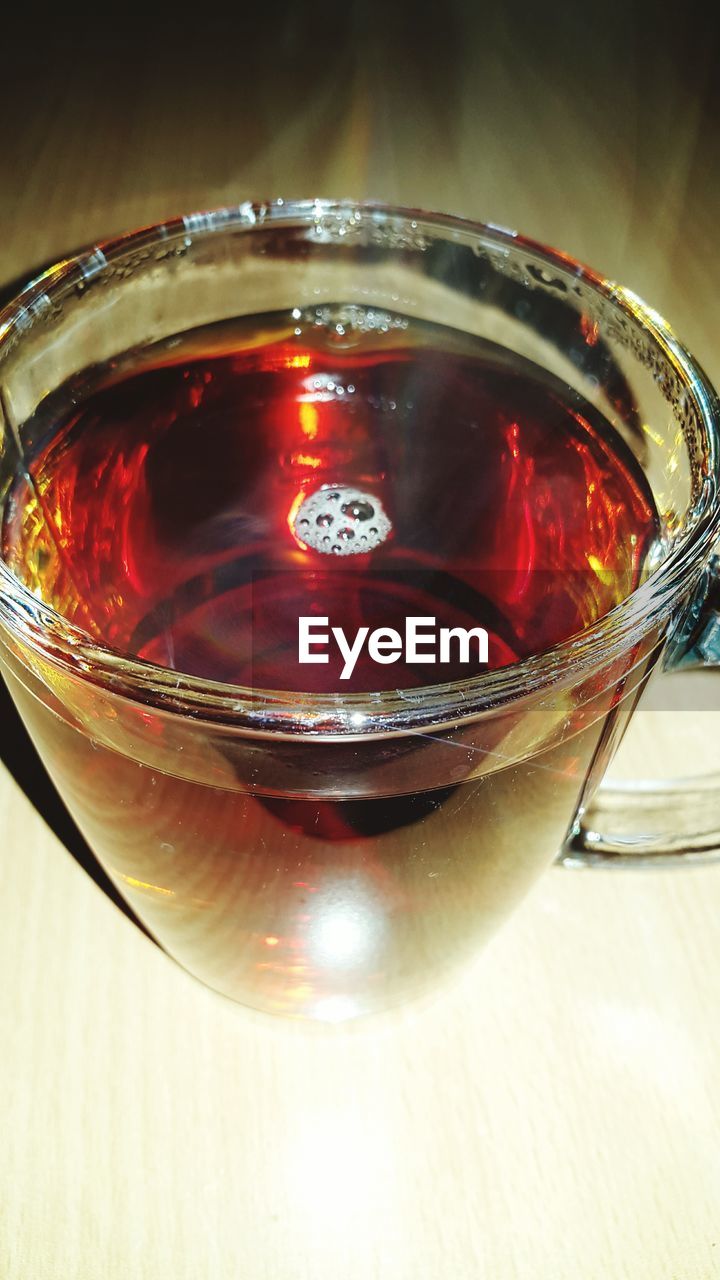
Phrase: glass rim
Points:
(52, 637)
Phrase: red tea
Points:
(164, 511)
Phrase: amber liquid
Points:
(159, 507)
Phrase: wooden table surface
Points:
(556, 1112)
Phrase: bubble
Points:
(336, 519)
(358, 510)
(343, 326)
(543, 276)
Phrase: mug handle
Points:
(660, 823)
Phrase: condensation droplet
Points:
(346, 535)
(324, 520)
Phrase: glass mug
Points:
(208, 803)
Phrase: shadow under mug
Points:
(329, 855)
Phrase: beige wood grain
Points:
(554, 1114)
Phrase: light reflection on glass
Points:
(345, 931)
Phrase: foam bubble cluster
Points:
(342, 521)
